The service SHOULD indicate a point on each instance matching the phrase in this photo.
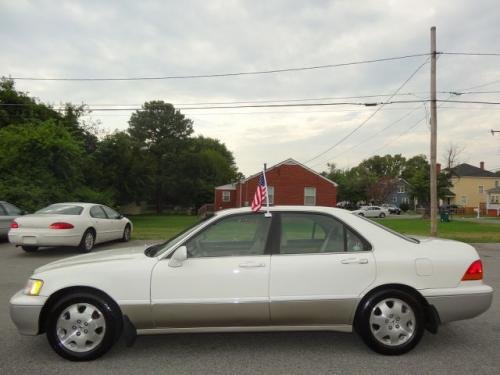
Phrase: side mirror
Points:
(120, 216)
(178, 257)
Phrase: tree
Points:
(380, 190)
(163, 133)
(386, 165)
(452, 154)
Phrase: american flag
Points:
(260, 194)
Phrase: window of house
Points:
(309, 196)
(481, 189)
(495, 199)
(401, 188)
(394, 199)
(463, 200)
(231, 236)
(497, 183)
(270, 194)
(226, 196)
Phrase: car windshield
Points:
(61, 209)
(409, 239)
(157, 249)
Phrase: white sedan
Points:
(302, 268)
(371, 211)
(69, 224)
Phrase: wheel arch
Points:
(54, 297)
(431, 315)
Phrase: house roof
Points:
(467, 170)
(226, 187)
(291, 161)
(494, 191)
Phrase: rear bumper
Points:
(35, 238)
(460, 303)
(25, 312)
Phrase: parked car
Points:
(393, 209)
(303, 268)
(69, 224)
(8, 212)
(371, 211)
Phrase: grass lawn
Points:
(456, 230)
(159, 227)
(162, 227)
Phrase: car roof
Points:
(83, 204)
(319, 209)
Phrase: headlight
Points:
(33, 287)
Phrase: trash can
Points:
(445, 217)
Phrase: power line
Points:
(371, 116)
(218, 75)
(471, 53)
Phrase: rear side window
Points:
(61, 209)
(97, 212)
(112, 214)
(11, 209)
(303, 233)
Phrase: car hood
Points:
(129, 253)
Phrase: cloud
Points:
(148, 38)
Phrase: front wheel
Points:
(29, 249)
(382, 215)
(391, 322)
(83, 326)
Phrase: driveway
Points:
(471, 346)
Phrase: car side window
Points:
(11, 209)
(112, 214)
(237, 235)
(2, 211)
(310, 233)
(97, 212)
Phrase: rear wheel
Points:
(126, 233)
(29, 249)
(391, 322)
(83, 326)
(382, 215)
(87, 242)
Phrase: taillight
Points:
(61, 226)
(474, 272)
(14, 225)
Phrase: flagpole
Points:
(267, 214)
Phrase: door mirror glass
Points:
(178, 257)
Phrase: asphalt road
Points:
(471, 346)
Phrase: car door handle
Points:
(251, 265)
(354, 261)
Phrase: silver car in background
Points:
(8, 212)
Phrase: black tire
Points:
(127, 231)
(29, 249)
(361, 214)
(86, 245)
(362, 322)
(111, 333)
(382, 215)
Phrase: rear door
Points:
(319, 270)
(101, 223)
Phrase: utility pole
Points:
(433, 171)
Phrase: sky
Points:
(82, 39)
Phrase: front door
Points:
(321, 269)
(224, 281)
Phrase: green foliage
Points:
(404, 207)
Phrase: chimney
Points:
(438, 168)
(481, 165)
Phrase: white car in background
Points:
(300, 268)
(69, 224)
(371, 211)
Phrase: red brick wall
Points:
(220, 205)
(289, 182)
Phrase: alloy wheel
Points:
(392, 322)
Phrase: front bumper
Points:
(25, 312)
(460, 303)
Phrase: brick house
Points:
(289, 183)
